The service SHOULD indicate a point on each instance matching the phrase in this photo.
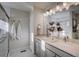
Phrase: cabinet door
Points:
(49, 53)
(38, 48)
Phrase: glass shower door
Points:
(3, 38)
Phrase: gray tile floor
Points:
(17, 53)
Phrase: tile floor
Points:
(18, 53)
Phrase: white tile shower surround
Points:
(17, 53)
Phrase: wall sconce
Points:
(51, 11)
(58, 8)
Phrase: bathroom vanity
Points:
(46, 47)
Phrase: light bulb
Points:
(57, 7)
(64, 4)
(53, 12)
(67, 7)
(44, 14)
(60, 9)
(47, 13)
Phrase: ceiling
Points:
(42, 5)
(17, 5)
(27, 6)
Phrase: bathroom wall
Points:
(36, 17)
(4, 43)
(39, 19)
(23, 29)
(32, 30)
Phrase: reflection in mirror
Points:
(3, 30)
(69, 20)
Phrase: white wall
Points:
(39, 19)
(23, 30)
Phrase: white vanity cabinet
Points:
(37, 46)
(49, 51)
(56, 52)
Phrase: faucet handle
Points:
(64, 39)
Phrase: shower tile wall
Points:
(23, 29)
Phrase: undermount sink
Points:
(66, 44)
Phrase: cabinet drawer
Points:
(49, 53)
(58, 51)
(38, 40)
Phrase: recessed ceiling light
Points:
(67, 7)
(47, 12)
(53, 12)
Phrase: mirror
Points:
(69, 20)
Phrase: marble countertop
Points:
(69, 47)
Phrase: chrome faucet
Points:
(66, 38)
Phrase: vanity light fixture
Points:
(47, 13)
(67, 7)
(44, 14)
(53, 12)
(58, 8)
